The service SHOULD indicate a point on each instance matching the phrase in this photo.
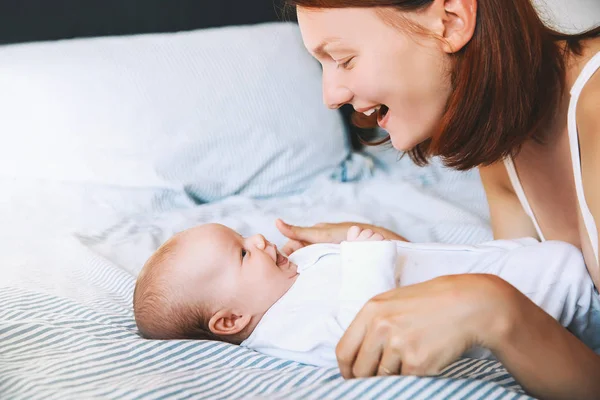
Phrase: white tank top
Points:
(588, 220)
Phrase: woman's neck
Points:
(574, 63)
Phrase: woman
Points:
(480, 84)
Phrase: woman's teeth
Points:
(370, 112)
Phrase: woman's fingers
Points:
(286, 230)
(368, 357)
(299, 233)
(418, 329)
(320, 233)
(349, 345)
(390, 363)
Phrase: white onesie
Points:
(335, 281)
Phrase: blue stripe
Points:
(392, 382)
(487, 393)
(368, 389)
(206, 388)
(456, 390)
(406, 387)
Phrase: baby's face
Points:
(219, 267)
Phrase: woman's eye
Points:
(346, 64)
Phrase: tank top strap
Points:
(518, 188)
(590, 225)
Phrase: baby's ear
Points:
(226, 322)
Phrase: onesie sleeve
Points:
(368, 269)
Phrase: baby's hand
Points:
(357, 234)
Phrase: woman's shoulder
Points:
(588, 131)
(588, 110)
(588, 106)
(588, 114)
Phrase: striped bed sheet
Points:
(53, 347)
(66, 319)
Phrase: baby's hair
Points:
(158, 311)
(192, 323)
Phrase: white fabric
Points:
(572, 16)
(367, 269)
(324, 300)
(214, 113)
(428, 204)
(307, 322)
(315, 288)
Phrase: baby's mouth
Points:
(281, 259)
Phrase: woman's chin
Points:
(404, 141)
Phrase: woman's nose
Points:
(335, 94)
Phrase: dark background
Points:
(34, 20)
(40, 20)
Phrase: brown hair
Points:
(158, 311)
(507, 82)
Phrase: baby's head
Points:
(209, 282)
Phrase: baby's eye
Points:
(244, 252)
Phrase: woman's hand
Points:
(421, 329)
(319, 233)
(324, 233)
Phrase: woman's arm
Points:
(543, 356)
(546, 359)
(588, 127)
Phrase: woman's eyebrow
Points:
(321, 49)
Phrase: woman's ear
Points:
(226, 322)
(459, 23)
(453, 21)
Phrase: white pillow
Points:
(570, 16)
(216, 112)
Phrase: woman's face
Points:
(367, 62)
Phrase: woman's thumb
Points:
(289, 231)
(306, 235)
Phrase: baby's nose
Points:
(260, 242)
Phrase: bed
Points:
(109, 150)
(67, 328)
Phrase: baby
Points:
(209, 282)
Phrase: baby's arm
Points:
(368, 269)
